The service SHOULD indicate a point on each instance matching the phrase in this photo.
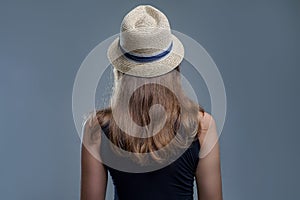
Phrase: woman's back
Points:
(174, 181)
(150, 119)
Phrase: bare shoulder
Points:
(96, 118)
(93, 123)
(206, 122)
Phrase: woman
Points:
(150, 137)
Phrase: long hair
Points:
(179, 112)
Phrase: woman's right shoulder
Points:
(206, 120)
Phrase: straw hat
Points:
(145, 47)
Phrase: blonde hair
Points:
(182, 113)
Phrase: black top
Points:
(174, 181)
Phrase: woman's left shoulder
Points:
(93, 123)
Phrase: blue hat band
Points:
(146, 58)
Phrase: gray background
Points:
(255, 44)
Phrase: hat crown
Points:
(144, 16)
(145, 31)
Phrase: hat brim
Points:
(146, 69)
